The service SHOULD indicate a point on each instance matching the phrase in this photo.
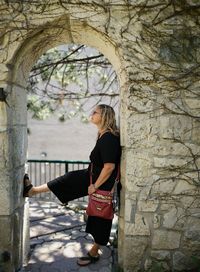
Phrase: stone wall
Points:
(154, 48)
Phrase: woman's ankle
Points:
(31, 192)
(94, 251)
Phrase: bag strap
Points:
(116, 180)
(118, 173)
(91, 168)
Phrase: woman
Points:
(105, 158)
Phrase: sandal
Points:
(27, 185)
(83, 261)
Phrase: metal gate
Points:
(42, 171)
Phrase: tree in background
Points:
(69, 80)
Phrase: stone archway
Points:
(156, 56)
(49, 35)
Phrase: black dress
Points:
(75, 184)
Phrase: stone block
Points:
(167, 205)
(170, 148)
(193, 235)
(184, 187)
(4, 72)
(140, 227)
(5, 194)
(169, 162)
(174, 218)
(8, 231)
(196, 132)
(26, 233)
(130, 210)
(164, 239)
(18, 99)
(182, 262)
(149, 205)
(18, 145)
(18, 218)
(12, 170)
(163, 187)
(156, 221)
(4, 143)
(17, 187)
(141, 130)
(145, 192)
(131, 184)
(160, 255)
(3, 116)
(133, 252)
(193, 223)
(193, 103)
(173, 127)
(138, 163)
(188, 201)
(191, 241)
(194, 212)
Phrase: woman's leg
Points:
(30, 190)
(94, 250)
(38, 189)
(92, 257)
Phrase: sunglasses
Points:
(95, 112)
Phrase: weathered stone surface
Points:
(181, 262)
(5, 192)
(9, 239)
(130, 210)
(193, 229)
(156, 221)
(193, 235)
(18, 99)
(195, 132)
(174, 219)
(147, 264)
(164, 239)
(160, 255)
(149, 205)
(167, 162)
(163, 187)
(176, 127)
(188, 201)
(4, 72)
(18, 145)
(132, 254)
(3, 116)
(185, 187)
(139, 227)
(192, 103)
(166, 149)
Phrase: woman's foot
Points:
(89, 259)
(27, 186)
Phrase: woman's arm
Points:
(104, 175)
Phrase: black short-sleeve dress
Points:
(75, 184)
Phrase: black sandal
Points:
(88, 260)
(27, 185)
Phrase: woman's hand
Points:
(91, 189)
(104, 175)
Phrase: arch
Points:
(46, 36)
(59, 32)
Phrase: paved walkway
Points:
(57, 239)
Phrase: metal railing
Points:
(42, 171)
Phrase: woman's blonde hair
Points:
(108, 122)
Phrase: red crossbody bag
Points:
(100, 203)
